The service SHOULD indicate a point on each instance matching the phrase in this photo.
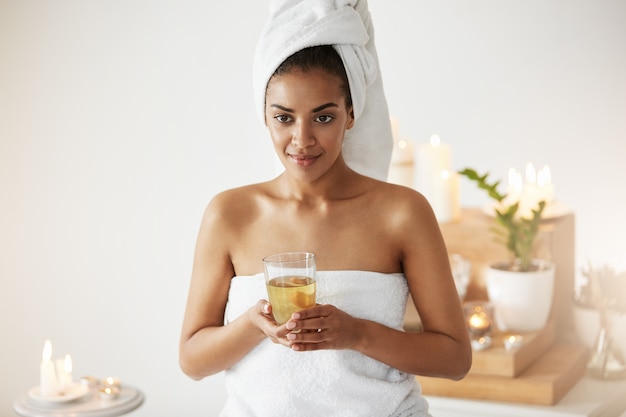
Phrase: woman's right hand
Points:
(261, 316)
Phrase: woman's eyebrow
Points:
(315, 110)
(283, 108)
(324, 106)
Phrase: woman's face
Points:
(307, 118)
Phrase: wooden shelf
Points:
(544, 382)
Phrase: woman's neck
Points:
(339, 183)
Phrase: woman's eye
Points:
(324, 118)
(282, 118)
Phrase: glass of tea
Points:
(290, 281)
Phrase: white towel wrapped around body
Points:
(329, 382)
(346, 25)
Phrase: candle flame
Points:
(478, 321)
(434, 140)
(46, 354)
(402, 144)
(445, 174)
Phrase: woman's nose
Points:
(302, 135)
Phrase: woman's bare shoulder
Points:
(402, 205)
(398, 196)
(236, 204)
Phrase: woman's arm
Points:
(207, 346)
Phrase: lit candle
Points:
(64, 373)
(530, 194)
(515, 185)
(445, 197)
(536, 187)
(112, 382)
(109, 393)
(402, 158)
(433, 160)
(544, 183)
(513, 342)
(47, 375)
(478, 321)
(478, 317)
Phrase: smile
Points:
(303, 160)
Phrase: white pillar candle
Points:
(445, 197)
(47, 375)
(435, 179)
(544, 184)
(515, 186)
(430, 160)
(402, 163)
(402, 158)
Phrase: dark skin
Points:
(351, 222)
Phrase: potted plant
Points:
(520, 288)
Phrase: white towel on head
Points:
(346, 24)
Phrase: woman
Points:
(374, 242)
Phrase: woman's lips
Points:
(303, 160)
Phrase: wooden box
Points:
(498, 361)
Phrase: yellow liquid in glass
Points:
(290, 294)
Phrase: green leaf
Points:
(481, 181)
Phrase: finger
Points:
(306, 336)
(315, 324)
(308, 347)
(317, 311)
(266, 308)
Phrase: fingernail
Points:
(295, 316)
(291, 336)
(290, 325)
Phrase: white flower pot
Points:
(522, 300)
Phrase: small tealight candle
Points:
(478, 321)
(513, 342)
(479, 318)
(112, 382)
(109, 393)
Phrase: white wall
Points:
(120, 119)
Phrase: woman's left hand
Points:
(323, 327)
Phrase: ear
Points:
(350, 122)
